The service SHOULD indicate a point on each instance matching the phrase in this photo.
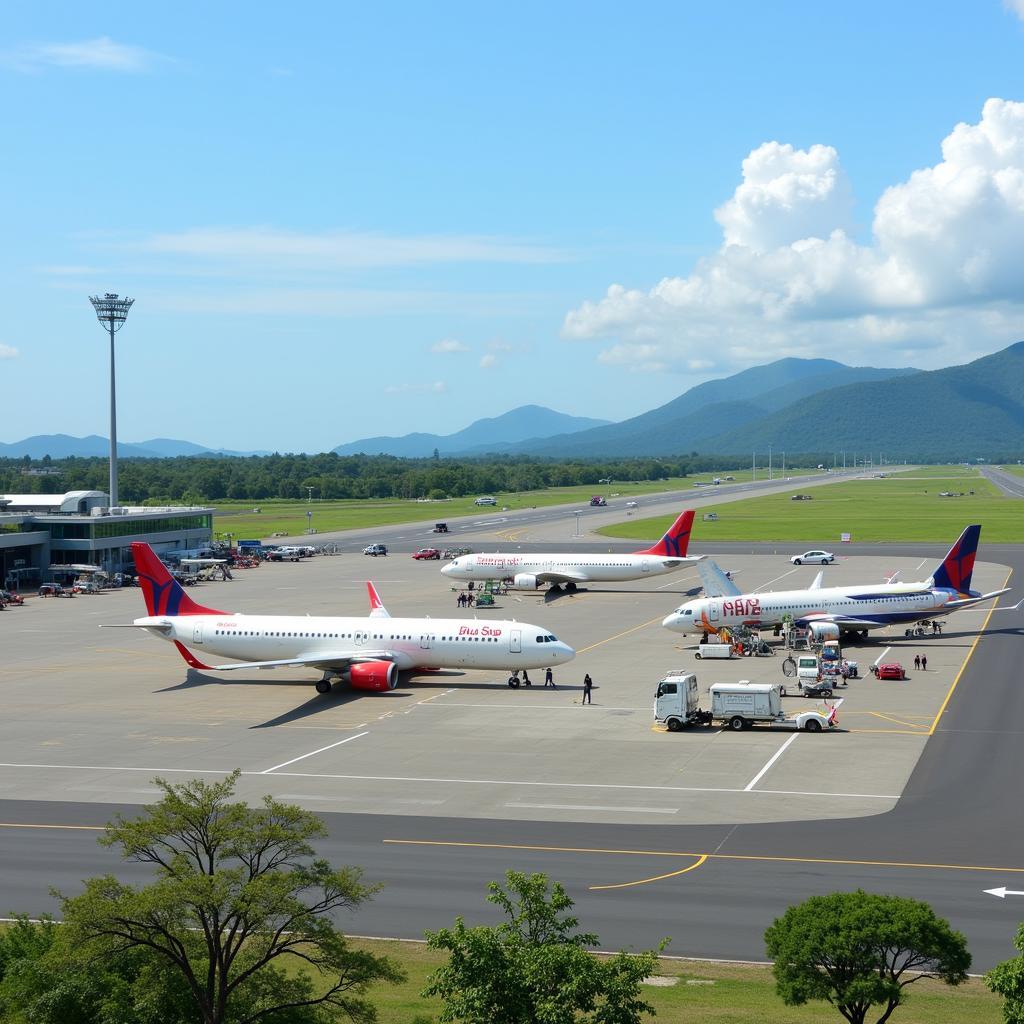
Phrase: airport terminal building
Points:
(39, 533)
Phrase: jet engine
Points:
(373, 675)
(524, 581)
(822, 631)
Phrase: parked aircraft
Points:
(529, 571)
(828, 611)
(368, 653)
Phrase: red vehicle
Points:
(598, 500)
(426, 553)
(889, 670)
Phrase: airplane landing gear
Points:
(324, 685)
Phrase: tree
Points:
(238, 896)
(534, 968)
(857, 950)
(1007, 979)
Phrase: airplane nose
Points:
(671, 621)
(448, 569)
(566, 653)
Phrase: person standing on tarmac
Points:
(549, 679)
(526, 678)
(588, 685)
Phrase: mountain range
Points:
(796, 405)
(526, 425)
(63, 446)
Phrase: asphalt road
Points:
(955, 832)
(1012, 486)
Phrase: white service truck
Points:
(737, 705)
(713, 650)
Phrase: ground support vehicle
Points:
(7, 597)
(426, 553)
(598, 501)
(54, 590)
(741, 705)
(889, 670)
(711, 650)
(677, 702)
(375, 549)
(440, 528)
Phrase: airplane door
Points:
(425, 641)
(713, 611)
(360, 637)
(645, 565)
(515, 641)
(197, 633)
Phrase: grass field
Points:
(1016, 470)
(898, 508)
(707, 992)
(289, 517)
(238, 518)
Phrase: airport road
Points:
(1012, 486)
(955, 831)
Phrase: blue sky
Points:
(346, 220)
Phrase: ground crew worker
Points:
(549, 679)
(588, 685)
(917, 661)
(924, 662)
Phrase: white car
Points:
(824, 557)
(632, 504)
(486, 501)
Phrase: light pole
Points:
(309, 495)
(769, 462)
(112, 312)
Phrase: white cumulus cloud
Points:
(488, 361)
(8, 352)
(448, 346)
(1016, 6)
(100, 54)
(941, 278)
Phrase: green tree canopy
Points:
(857, 950)
(240, 911)
(1007, 979)
(534, 968)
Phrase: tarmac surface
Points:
(449, 780)
(1012, 486)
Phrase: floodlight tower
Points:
(112, 311)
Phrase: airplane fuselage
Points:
(572, 567)
(851, 608)
(409, 643)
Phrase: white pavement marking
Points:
(918, 566)
(678, 579)
(302, 757)
(776, 580)
(529, 707)
(882, 655)
(459, 782)
(595, 807)
(778, 753)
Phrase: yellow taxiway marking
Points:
(898, 721)
(849, 862)
(656, 878)
(967, 661)
(625, 632)
(70, 828)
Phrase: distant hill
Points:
(63, 446)
(491, 434)
(688, 422)
(960, 412)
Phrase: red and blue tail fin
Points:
(954, 572)
(676, 540)
(163, 593)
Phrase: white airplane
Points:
(529, 571)
(828, 611)
(368, 652)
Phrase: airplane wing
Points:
(967, 602)
(335, 660)
(549, 576)
(716, 583)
